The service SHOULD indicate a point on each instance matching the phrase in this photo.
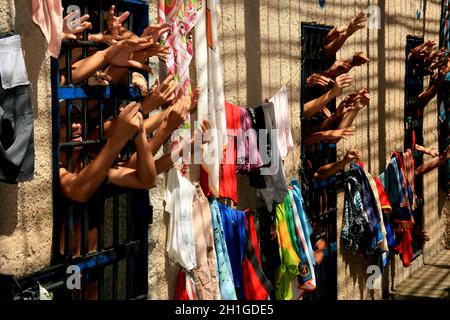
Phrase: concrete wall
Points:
(26, 208)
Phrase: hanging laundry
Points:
(257, 285)
(268, 242)
(288, 269)
(180, 239)
(205, 274)
(400, 195)
(16, 113)
(181, 15)
(408, 161)
(211, 103)
(185, 287)
(274, 176)
(226, 283)
(373, 186)
(307, 277)
(48, 16)
(233, 222)
(248, 157)
(282, 122)
(228, 178)
(387, 209)
(355, 224)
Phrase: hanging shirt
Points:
(48, 16)
(179, 199)
(282, 122)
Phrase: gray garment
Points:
(274, 176)
(16, 132)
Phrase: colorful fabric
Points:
(185, 287)
(257, 286)
(226, 284)
(307, 280)
(288, 269)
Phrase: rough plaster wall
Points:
(26, 208)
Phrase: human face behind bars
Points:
(77, 127)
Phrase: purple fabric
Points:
(248, 157)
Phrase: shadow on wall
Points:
(8, 209)
(357, 266)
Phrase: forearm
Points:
(314, 138)
(164, 163)
(348, 119)
(154, 121)
(430, 166)
(426, 96)
(314, 106)
(334, 46)
(145, 164)
(86, 183)
(83, 69)
(329, 170)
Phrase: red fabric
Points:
(182, 287)
(228, 179)
(253, 288)
(384, 199)
(405, 248)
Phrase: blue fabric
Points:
(233, 222)
(367, 197)
(226, 283)
(307, 228)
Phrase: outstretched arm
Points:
(331, 169)
(338, 36)
(80, 187)
(314, 106)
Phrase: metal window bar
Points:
(414, 85)
(133, 250)
(319, 194)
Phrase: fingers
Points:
(123, 17)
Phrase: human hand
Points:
(317, 80)
(333, 136)
(343, 81)
(156, 31)
(352, 155)
(113, 23)
(357, 23)
(160, 94)
(128, 123)
(72, 26)
(177, 114)
(162, 52)
(359, 59)
(422, 51)
(120, 53)
(339, 67)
